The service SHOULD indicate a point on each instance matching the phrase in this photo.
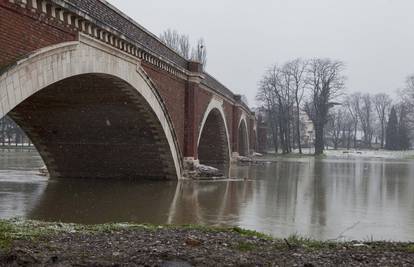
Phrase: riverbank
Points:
(39, 243)
(342, 153)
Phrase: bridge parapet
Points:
(102, 21)
(137, 42)
(185, 91)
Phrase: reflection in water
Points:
(323, 199)
(20, 188)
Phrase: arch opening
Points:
(213, 149)
(12, 135)
(243, 145)
(96, 126)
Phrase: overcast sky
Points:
(375, 38)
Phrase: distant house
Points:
(307, 130)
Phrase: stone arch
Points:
(114, 86)
(243, 137)
(213, 143)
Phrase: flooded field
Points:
(333, 198)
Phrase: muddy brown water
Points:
(333, 198)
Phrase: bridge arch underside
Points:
(96, 126)
(243, 145)
(213, 149)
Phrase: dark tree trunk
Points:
(319, 140)
(355, 135)
(273, 126)
(298, 129)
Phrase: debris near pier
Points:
(204, 172)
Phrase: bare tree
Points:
(409, 88)
(275, 80)
(326, 83)
(199, 53)
(266, 97)
(382, 103)
(180, 43)
(366, 118)
(407, 97)
(335, 126)
(348, 128)
(279, 83)
(170, 38)
(184, 46)
(352, 102)
(296, 69)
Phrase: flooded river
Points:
(333, 198)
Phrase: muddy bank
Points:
(24, 243)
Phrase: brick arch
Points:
(243, 144)
(89, 59)
(213, 143)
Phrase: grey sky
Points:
(375, 38)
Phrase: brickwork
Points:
(228, 111)
(106, 131)
(183, 91)
(24, 31)
(242, 144)
(235, 126)
(203, 99)
(262, 131)
(172, 91)
(212, 148)
(252, 134)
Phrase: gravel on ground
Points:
(30, 243)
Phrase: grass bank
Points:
(40, 243)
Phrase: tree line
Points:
(11, 134)
(301, 92)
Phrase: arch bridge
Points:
(100, 96)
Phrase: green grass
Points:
(245, 247)
(250, 233)
(296, 240)
(410, 248)
(5, 237)
(11, 230)
(22, 230)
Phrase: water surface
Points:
(333, 198)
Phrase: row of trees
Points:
(180, 43)
(299, 90)
(366, 120)
(287, 90)
(11, 134)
